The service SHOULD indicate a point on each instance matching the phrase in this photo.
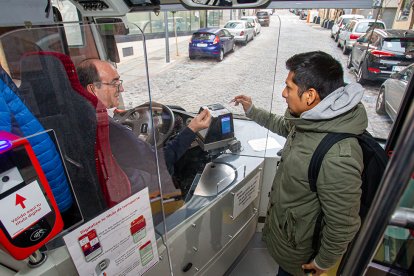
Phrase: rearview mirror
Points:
(239, 4)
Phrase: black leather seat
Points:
(47, 91)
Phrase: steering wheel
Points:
(138, 119)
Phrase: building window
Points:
(128, 51)
(404, 10)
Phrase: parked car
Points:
(340, 23)
(297, 11)
(254, 21)
(379, 53)
(313, 15)
(211, 42)
(243, 31)
(264, 18)
(392, 91)
(269, 11)
(354, 29)
(303, 15)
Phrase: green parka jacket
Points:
(293, 207)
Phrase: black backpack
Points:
(375, 160)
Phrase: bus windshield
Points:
(89, 87)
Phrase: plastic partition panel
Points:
(110, 162)
(217, 170)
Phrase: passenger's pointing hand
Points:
(246, 101)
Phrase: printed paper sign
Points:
(264, 144)
(120, 241)
(23, 208)
(246, 195)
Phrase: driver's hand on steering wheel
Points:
(201, 121)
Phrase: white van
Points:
(340, 22)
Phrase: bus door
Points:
(385, 243)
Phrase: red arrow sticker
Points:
(20, 200)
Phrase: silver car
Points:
(341, 22)
(354, 29)
(254, 21)
(243, 31)
(392, 91)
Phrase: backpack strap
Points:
(316, 161)
(313, 171)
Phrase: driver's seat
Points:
(115, 184)
(80, 126)
(114, 172)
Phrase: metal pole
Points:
(36, 259)
(175, 34)
(167, 40)
(157, 160)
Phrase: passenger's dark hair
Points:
(317, 70)
(87, 72)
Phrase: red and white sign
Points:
(120, 241)
(23, 208)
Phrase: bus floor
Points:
(256, 260)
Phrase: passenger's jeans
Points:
(282, 272)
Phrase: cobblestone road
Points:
(257, 70)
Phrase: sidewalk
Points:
(156, 52)
(157, 46)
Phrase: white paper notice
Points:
(120, 241)
(246, 195)
(263, 143)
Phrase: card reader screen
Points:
(225, 125)
(23, 208)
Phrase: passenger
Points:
(318, 103)
(101, 79)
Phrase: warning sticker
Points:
(23, 208)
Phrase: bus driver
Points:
(102, 80)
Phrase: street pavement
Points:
(257, 70)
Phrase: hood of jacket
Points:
(340, 111)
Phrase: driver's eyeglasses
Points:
(114, 84)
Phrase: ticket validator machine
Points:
(216, 139)
(220, 134)
(29, 216)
